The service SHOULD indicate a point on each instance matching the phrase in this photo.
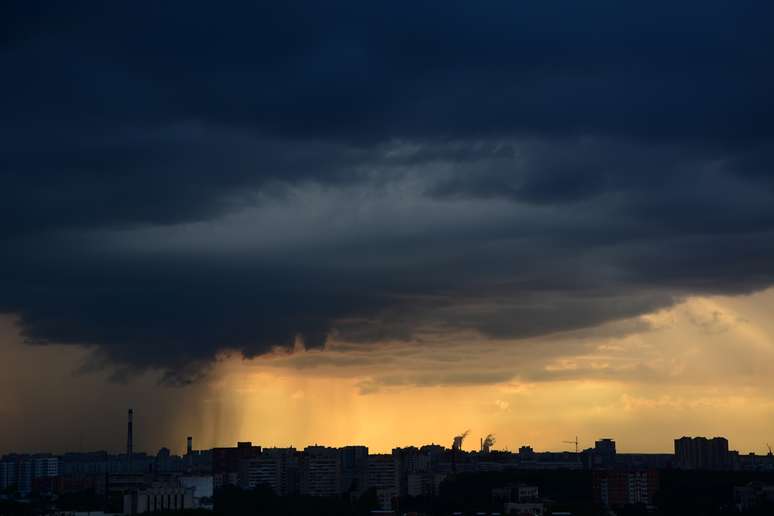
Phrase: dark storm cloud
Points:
(178, 179)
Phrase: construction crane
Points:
(575, 442)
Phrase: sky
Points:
(386, 223)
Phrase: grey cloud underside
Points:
(175, 181)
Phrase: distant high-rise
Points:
(277, 468)
(526, 453)
(383, 478)
(226, 462)
(702, 453)
(354, 469)
(605, 450)
(603, 455)
(320, 473)
(189, 445)
(129, 441)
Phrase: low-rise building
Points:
(202, 487)
(525, 508)
(158, 497)
(753, 496)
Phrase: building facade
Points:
(158, 498)
(320, 471)
(616, 488)
(702, 453)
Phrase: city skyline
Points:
(469, 447)
(689, 453)
(353, 479)
(464, 441)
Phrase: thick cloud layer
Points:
(176, 180)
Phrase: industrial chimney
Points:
(129, 438)
(189, 446)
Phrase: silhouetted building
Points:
(702, 453)
(410, 461)
(7, 474)
(754, 495)
(526, 453)
(383, 478)
(198, 462)
(419, 471)
(277, 468)
(636, 461)
(260, 471)
(604, 453)
(418, 484)
(553, 460)
(21, 472)
(158, 497)
(46, 466)
(753, 462)
(101, 463)
(203, 490)
(601, 456)
(320, 471)
(525, 508)
(519, 499)
(226, 462)
(354, 469)
(129, 438)
(521, 493)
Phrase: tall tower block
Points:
(129, 441)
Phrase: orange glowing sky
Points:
(703, 367)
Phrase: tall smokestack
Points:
(189, 446)
(129, 443)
